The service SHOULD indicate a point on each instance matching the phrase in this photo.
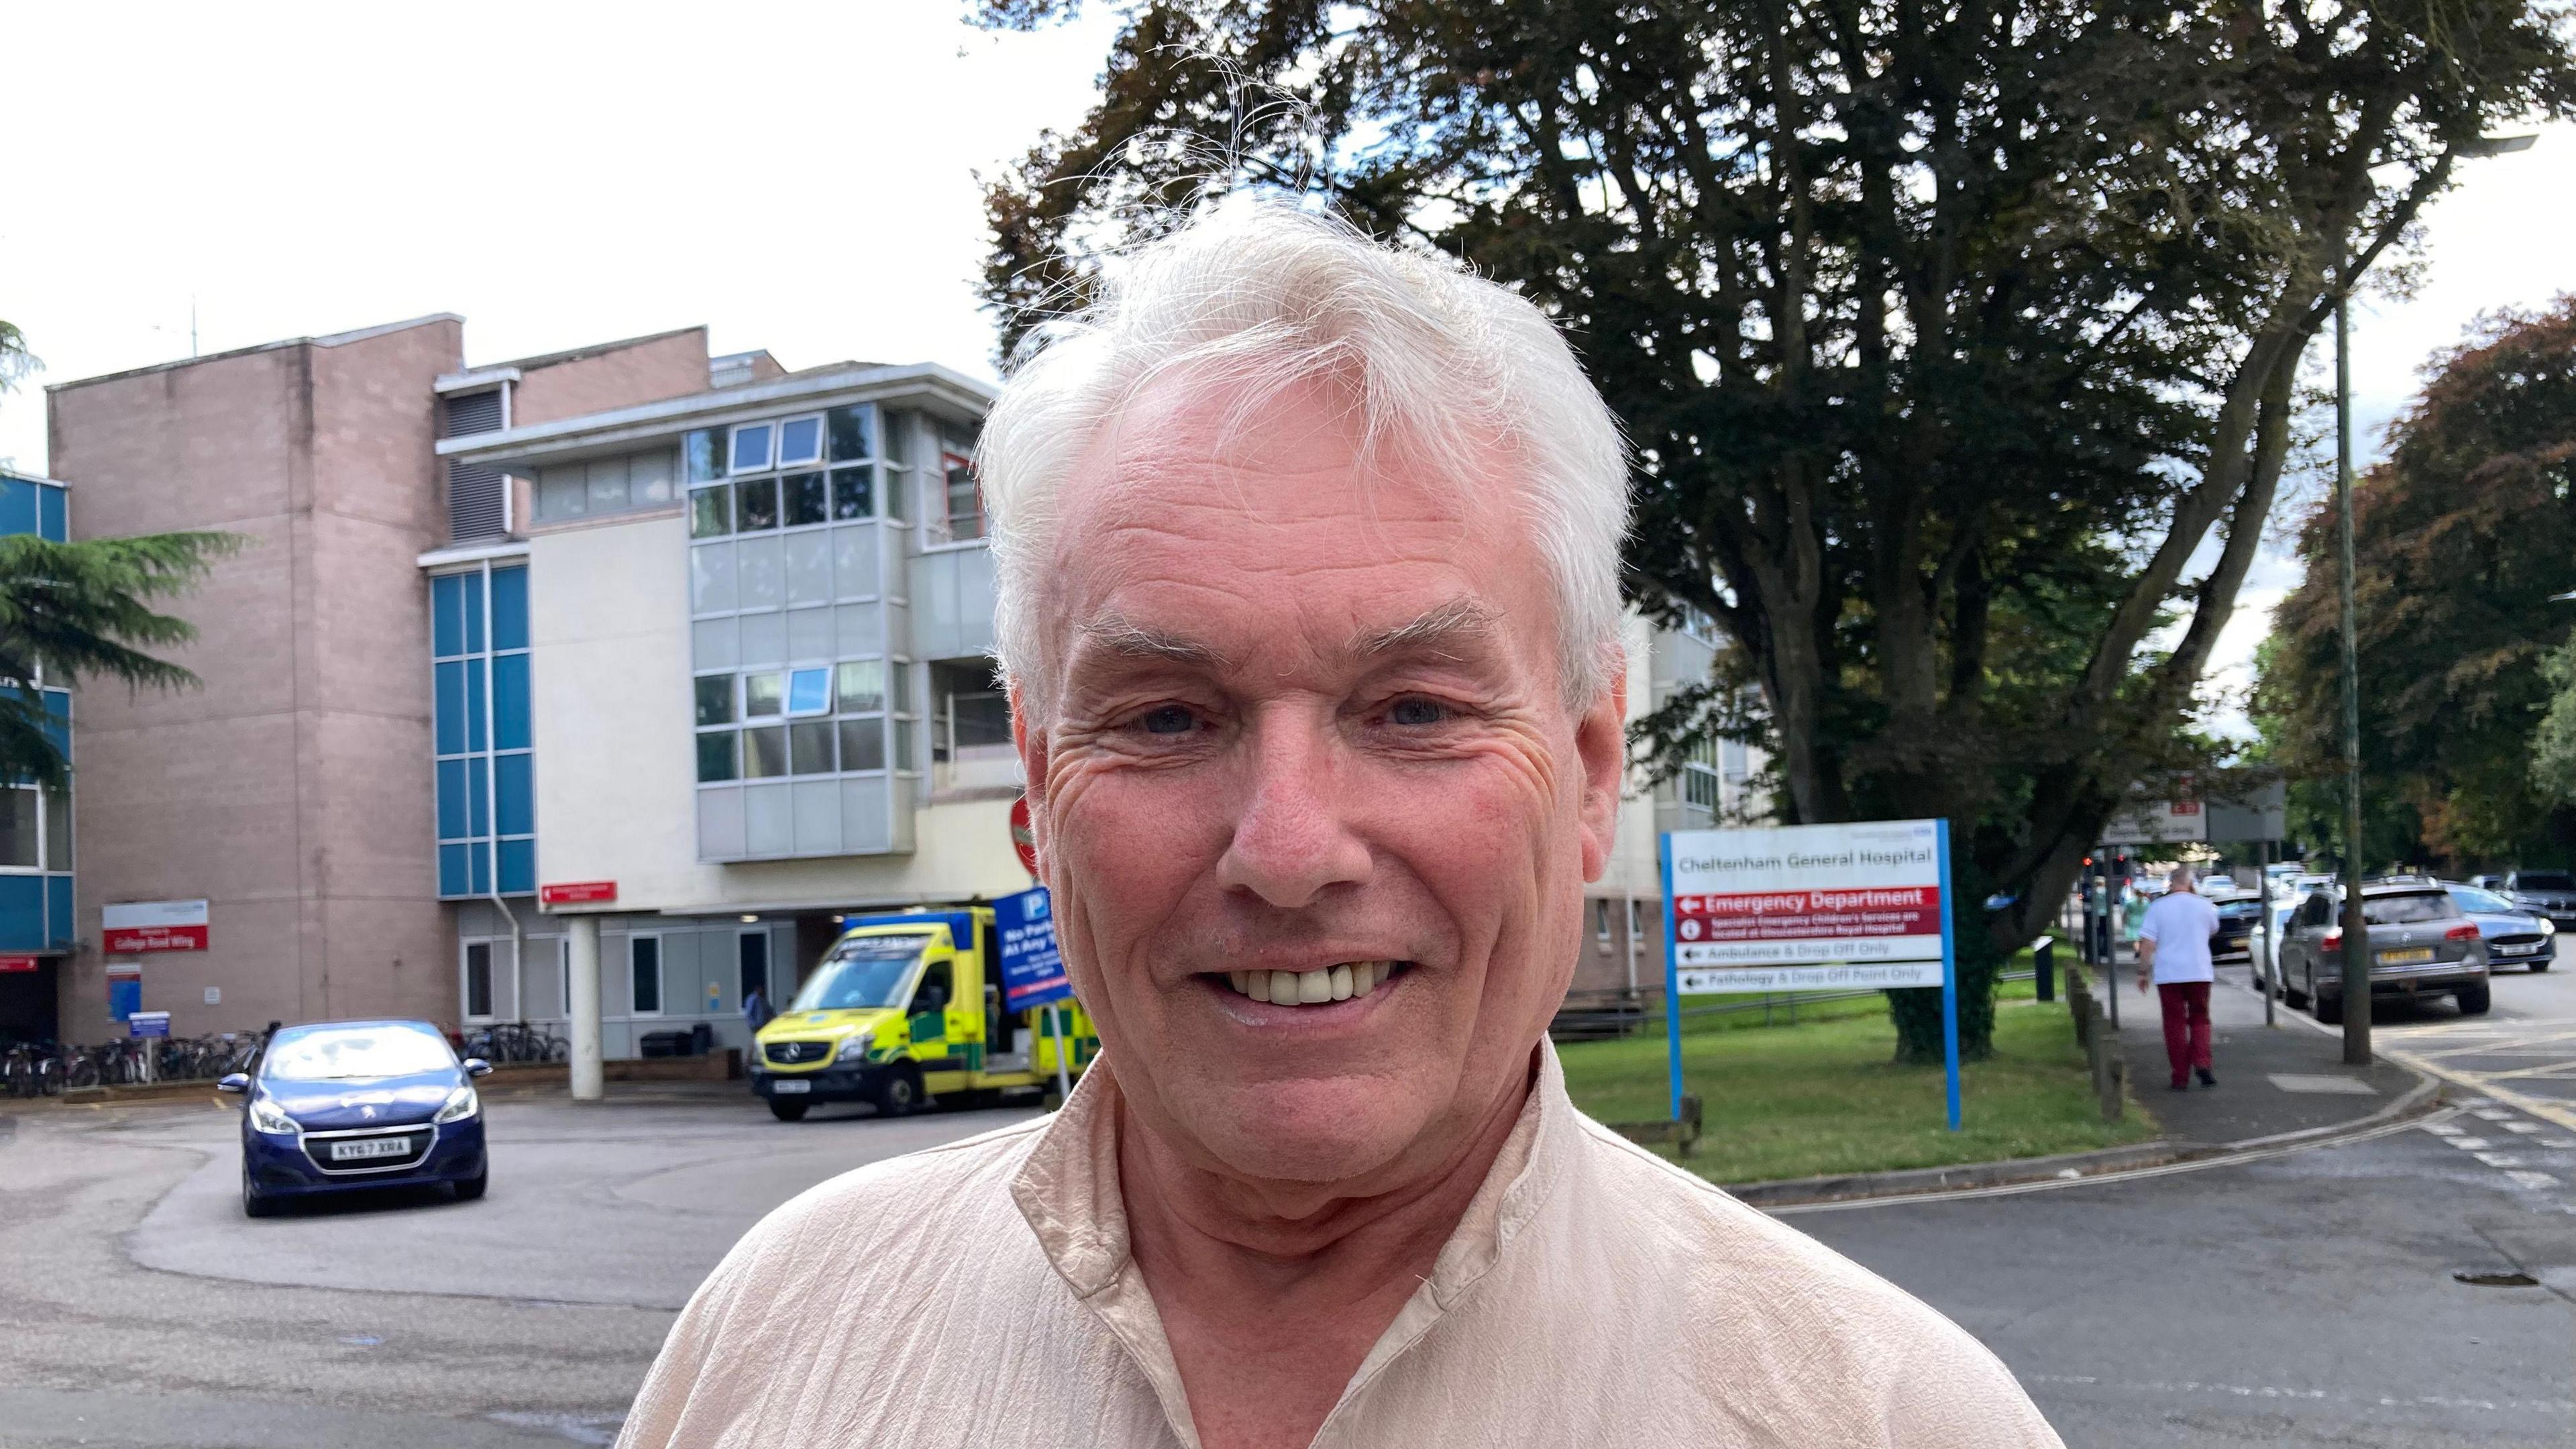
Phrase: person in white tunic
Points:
(1308, 604)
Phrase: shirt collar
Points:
(1067, 1188)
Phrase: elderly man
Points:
(1308, 554)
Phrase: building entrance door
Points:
(752, 953)
(29, 1008)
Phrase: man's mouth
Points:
(1315, 988)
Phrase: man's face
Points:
(1300, 714)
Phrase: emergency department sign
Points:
(1032, 968)
(1805, 907)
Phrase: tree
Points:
(2459, 539)
(77, 611)
(1945, 337)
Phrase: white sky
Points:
(797, 177)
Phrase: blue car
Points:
(345, 1106)
(2514, 934)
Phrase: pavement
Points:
(2272, 1080)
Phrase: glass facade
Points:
(486, 793)
(36, 825)
(801, 684)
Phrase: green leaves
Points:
(72, 613)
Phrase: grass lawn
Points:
(1823, 1096)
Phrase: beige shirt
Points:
(982, 1293)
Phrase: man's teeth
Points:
(1313, 988)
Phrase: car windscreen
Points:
(341, 1053)
(2410, 908)
(2245, 909)
(863, 971)
(2544, 880)
(2471, 898)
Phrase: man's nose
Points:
(1291, 842)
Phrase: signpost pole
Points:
(2263, 899)
(1063, 1078)
(1672, 973)
(1949, 974)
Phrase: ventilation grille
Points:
(478, 502)
(478, 497)
(476, 412)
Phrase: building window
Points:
(644, 969)
(1735, 761)
(1636, 922)
(795, 473)
(601, 487)
(1697, 624)
(1601, 925)
(478, 980)
(751, 956)
(1699, 777)
(481, 731)
(828, 721)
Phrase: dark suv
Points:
(2421, 944)
(2550, 893)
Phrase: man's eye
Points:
(1168, 719)
(1417, 711)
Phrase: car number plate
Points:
(361, 1148)
(789, 1089)
(2406, 958)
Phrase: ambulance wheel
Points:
(899, 1093)
(788, 1111)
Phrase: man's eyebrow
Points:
(1125, 637)
(1461, 619)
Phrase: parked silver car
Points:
(2421, 944)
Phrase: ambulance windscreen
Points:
(862, 972)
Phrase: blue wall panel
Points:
(515, 794)
(478, 803)
(58, 910)
(518, 867)
(475, 734)
(53, 518)
(509, 608)
(22, 911)
(473, 614)
(451, 870)
(17, 506)
(446, 616)
(451, 800)
(510, 701)
(450, 727)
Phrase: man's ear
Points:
(1601, 747)
(1031, 745)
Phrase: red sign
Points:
(577, 892)
(17, 963)
(1809, 914)
(132, 928)
(1023, 838)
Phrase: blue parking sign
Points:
(1032, 968)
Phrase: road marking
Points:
(2274, 1391)
(2436, 1049)
(2322, 1082)
(2497, 1159)
(2471, 1144)
(2522, 1126)
(2533, 1179)
(2444, 1129)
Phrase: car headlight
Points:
(854, 1049)
(269, 1117)
(461, 1104)
(2548, 927)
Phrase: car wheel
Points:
(257, 1204)
(2473, 1000)
(2291, 994)
(2539, 963)
(898, 1094)
(2329, 1009)
(472, 1187)
(788, 1111)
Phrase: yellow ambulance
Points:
(907, 1007)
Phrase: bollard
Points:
(2043, 962)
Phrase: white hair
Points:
(1258, 294)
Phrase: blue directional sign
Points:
(1032, 968)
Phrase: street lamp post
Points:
(2356, 931)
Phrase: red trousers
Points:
(2186, 1007)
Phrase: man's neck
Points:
(1272, 1294)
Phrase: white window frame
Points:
(661, 977)
(769, 456)
(465, 980)
(822, 446)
